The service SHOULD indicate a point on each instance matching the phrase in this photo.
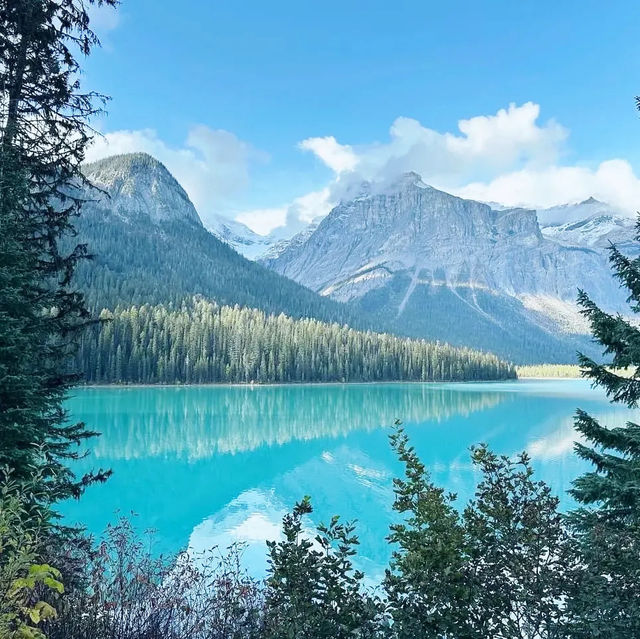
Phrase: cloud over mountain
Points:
(212, 165)
(511, 157)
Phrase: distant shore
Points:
(263, 385)
(549, 371)
(560, 371)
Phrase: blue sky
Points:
(225, 93)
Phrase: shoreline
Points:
(249, 385)
(280, 384)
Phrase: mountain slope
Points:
(441, 267)
(150, 246)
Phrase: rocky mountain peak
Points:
(410, 178)
(407, 226)
(138, 186)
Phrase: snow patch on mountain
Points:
(241, 238)
(563, 314)
(576, 212)
(597, 231)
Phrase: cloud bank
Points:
(510, 157)
(484, 147)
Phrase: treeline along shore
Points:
(202, 342)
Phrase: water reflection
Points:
(217, 465)
(198, 422)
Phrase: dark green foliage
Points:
(607, 600)
(502, 568)
(313, 591)
(137, 262)
(426, 583)
(43, 133)
(203, 342)
(22, 575)
(521, 560)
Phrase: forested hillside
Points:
(497, 325)
(150, 247)
(203, 342)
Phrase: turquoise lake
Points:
(208, 466)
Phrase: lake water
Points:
(213, 465)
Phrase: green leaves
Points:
(38, 574)
(502, 567)
(313, 590)
(25, 584)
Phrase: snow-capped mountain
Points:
(282, 245)
(150, 247)
(575, 212)
(598, 231)
(591, 223)
(450, 268)
(241, 238)
(409, 258)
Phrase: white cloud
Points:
(510, 157)
(311, 206)
(338, 157)
(263, 221)
(484, 145)
(103, 18)
(612, 181)
(212, 165)
(289, 219)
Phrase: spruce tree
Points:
(44, 130)
(607, 523)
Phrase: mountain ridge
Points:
(409, 251)
(150, 247)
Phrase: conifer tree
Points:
(313, 590)
(607, 601)
(44, 131)
(501, 568)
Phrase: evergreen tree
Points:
(521, 563)
(607, 601)
(43, 133)
(500, 569)
(313, 591)
(425, 584)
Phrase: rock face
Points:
(410, 247)
(441, 240)
(139, 188)
(282, 245)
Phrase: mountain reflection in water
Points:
(219, 464)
